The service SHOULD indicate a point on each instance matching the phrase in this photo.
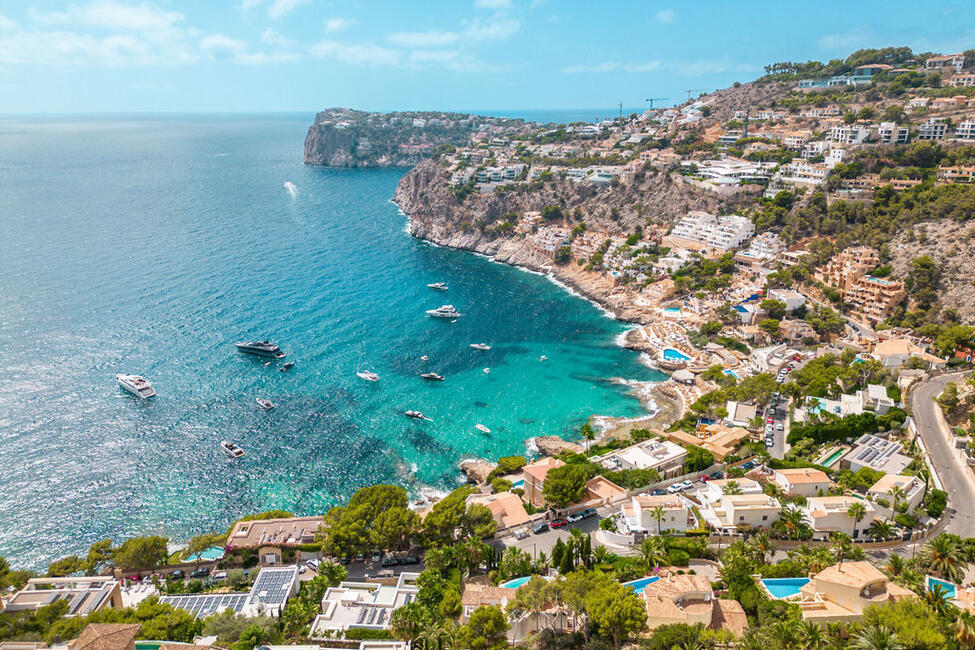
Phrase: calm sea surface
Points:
(151, 245)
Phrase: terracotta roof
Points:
(804, 475)
(888, 481)
(854, 574)
(476, 594)
(674, 586)
(106, 636)
(509, 508)
(729, 615)
(539, 469)
(602, 488)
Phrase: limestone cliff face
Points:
(436, 215)
(348, 147)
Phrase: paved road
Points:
(958, 480)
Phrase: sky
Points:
(118, 56)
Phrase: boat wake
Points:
(292, 190)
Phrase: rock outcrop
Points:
(476, 470)
(554, 445)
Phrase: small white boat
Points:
(432, 376)
(480, 346)
(424, 358)
(543, 358)
(438, 286)
(137, 385)
(265, 404)
(444, 311)
(416, 415)
(368, 375)
(481, 427)
(487, 371)
(286, 367)
(232, 450)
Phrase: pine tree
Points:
(566, 565)
(557, 551)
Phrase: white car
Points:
(674, 489)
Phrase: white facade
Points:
(829, 515)
(849, 134)
(717, 232)
(965, 131)
(662, 455)
(933, 129)
(362, 605)
(816, 148)
(793, 299)
(637, 516)
(765, 246)
(807, 482)
(714, 491)
(891, 133)
(911, 486)
(742, 510)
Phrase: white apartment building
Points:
(891, 133)
(876, 453)
(729, 171)
(911, 486)
(362, 605)
(637, 514)
(796, 139)
(849, 134)
(715, 490)
(815, 148)
(945, 63)
(934, 129)
(716, 232)
(829, 515)
(734, 511)
(765, 246)
(962, 81)
(805, 481)
(799, 172)
(793, 299)
(662, 455)
(965, 131)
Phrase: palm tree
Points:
(896, 493)
(761, 545)
(895, 564)
(881, 529)
(943, 556)
(876, 637)
(731, 487)
(792, 521)
(653, 552)
(856, 512)
(588, 433)
(657, 512)
(811, 636)
(937, 597)
(965, 630)
(841, 547)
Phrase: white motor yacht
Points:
(480, 346)
(445, 311)
(265, 404)
(438, 286)
(136, 385)
(481, 427)
(367, 375)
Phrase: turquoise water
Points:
(731, 373)
(675, 355)
(212, 553)
(949, 587)
(516, 582)
(784, 587)
(829, 460)
(639, 585)
(672, 310)
(151, 245)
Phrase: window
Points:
(764, 517)
(741, 518)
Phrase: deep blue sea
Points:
(150, 245)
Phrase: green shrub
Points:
(678, 557)
(905, 520)
(935, 502)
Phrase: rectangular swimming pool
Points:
(639, 585)
(670, 354)
(784, 587)
(948, 587)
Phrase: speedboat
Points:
(480, 346)
(487, 371)
(286, 367)
(438, 286)
(445, 311)
(481, 427)
(368, 375)
(265, 404)
(232, 450)
(416, 415)
(136, 385)
(261, 349)
(432, 376)
(543, 358)
(424, 358)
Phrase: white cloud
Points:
(337, 24)
(220, 44)
(419, 57)
(647, 66)
(495, 29)
(7, 25)
(492, 4)
(686, 68)
(281, 8)
(606, 66)
(423, 39)
(105, 14)
(65, 48)
(355, 53)
(275, 39)
(666, 16)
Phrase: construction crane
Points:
(651, 100)
(694, 90)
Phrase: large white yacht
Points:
(136, 385)
(445, 311)
(261, 349)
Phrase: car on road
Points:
(656, 493)
(540, 527)
(686, 485)
(219, 575)
(202, 572)
(521, 533)
(779, 427)
(559, 523)
(748, 465)
(673, 489)
(177, 574)
(408, 560)
(582, 514)
(716, 475)
(377, 555)
(769, 442)
(389, 561)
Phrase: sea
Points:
(151, 244)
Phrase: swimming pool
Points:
(639, 585)
(829, 460)
(516, 582)
(212, 553)
(784, 587)
(672, 310)
(732, 373)
(520, 483)
(949, 588)
(670, 354)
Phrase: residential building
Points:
(689, 600)
(765, 246)
(272, 589)
(362, 605)
(873, 297)
(796, 139)
(84, 595)
(874, 398)
(962, 80)
(718, 439)
(958, 173)
(912, 490)
(637, 514)
(894, 352)
(934, 128)
(794, 331)
(740, 414)
(269, 537)
(841, 592)
(814, 149)
(716, 489)
(507, 508)
(849, 134)
(918, 102)
(892, 133)
(661, 455)
(535, 474)
(877, 453)
(708, 231)
(105, 636)
(851, 263)
(548, 240)
(945, 63)
(735, 511)
(522, 625)
(804, 481)
(828, 514)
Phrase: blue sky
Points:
(283, 55)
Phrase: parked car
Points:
(377, 555)
(656, 492)
(302, 570)
(673, 489)
(574, 517)
(219, 575)
(748, 465)
(313, 564)
(582, 514)
(559, 523)
(769, 442)
(540, 527)
(360, 557)
(716, 475)
(202, 572)
(521, 533)
(769, 420)
(686, 485)
(779, 427)
(408, 560)
(389, 560)
(177, 574)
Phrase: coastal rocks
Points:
(476, 470)
(554, 445)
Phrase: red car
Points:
(558, 523)
(769, 420)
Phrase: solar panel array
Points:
(273, 586)
(202, 605)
